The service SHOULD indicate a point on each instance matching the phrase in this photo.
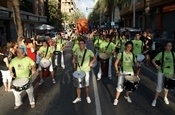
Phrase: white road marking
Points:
(97, 100)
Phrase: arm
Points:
(6, 61)
(92, 61)
(117, 66)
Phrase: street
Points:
(56, 99)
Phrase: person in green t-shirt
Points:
(137, 44)
(122, 42)
(126, 67)
(45, 52)
(23, 65)
(58, 57)
(83, 66)
(165, 69)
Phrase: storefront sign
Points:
(4, 14)
(169, 8)
(33, 18)
(23, 16)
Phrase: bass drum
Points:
(104, 62)
(45, 64)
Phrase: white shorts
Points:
(50, 68)
(87, 79)
(6, 77)
(121, 81)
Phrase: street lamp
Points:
(134, 13)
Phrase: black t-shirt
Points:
(2, 63)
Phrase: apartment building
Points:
(67, 6)
(154, 14)
(32, 15)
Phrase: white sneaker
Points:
(128, 99)
(115, 102)
(166, 100)
(154, 103)
(77, 100)
(98, 79)
(41, 82)
(53, 80)
(88, 99)
(98, 76)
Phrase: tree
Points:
(17, 19)
(54, 12)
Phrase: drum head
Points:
(20, 82)
(170, 76)
(45, 63)
(104, 55)
(132, 78)
(140, 57)
(79, 74)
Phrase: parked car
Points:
(132, 31)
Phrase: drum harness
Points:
(82, 59)
(162, 61)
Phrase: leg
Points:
(4, 79)
(159, 88)
(109, 68)
(52, 73)
(9, 80)
(100, 71)
(30, 93)
(18, 100)
(78, 99)
(165, 96)
(62, 60)
(87, 87)
(40, 75)
(119, 88)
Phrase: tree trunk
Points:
(17, 19)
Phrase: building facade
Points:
(152, 14)
(32, 15)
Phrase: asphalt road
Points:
(56, 99)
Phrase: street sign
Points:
(112, 23)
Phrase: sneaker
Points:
(16, 107)
(166, 100)
(41, 82)
(154, 103)
(88, 99)
(110, 77)
(77, 100)
(33, 106)
(115, 102)
(98, 79)
(128, 99)
(53, 80)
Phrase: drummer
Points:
(23, 65)
(137, 46)
(107, 47)
(59, 46)
(83, 65)
(46, 52)
(126, 59)
(166, 59)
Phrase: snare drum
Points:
(104, 61)
(45, 64)
(169, 81)
(21, 84)
(79, 79)
(131, 83)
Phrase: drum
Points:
(140, 57)
(57, 57)
(21, 84)
(45, 64)
(131, 83)
(79, 79)
(104, 61)
(169, 81)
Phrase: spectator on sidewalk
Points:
(4, 63)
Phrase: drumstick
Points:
(165, 67)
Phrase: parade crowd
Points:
(19, 61)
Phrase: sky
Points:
(83, 4)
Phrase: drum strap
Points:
(83, 57)
(108, 45)
(46, 51)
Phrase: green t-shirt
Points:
(22, 66)
(75, 47)
(137, 46)
(43, 50)
(122, 44)
(127, 62)
(117, 42)
(109, 49)
(89, 54)
(98, 42)
(59, 44)
(168, 61)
